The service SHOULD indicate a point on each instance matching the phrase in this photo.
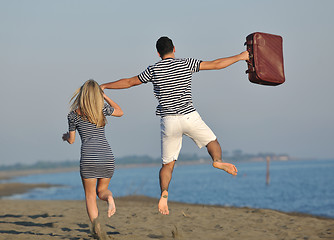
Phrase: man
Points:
(171, 79)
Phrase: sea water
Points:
(295, 186)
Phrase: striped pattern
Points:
(97, 159)
(171, 80)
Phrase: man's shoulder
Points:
(173, 60)
(185, 59)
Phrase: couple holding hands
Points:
(171, 78)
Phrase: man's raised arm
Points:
(122, 83)
(223, 62)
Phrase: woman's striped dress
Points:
(97, 159)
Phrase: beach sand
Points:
(137, 217)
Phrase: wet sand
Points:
(9, 189)
(137, 217)
(13, 173)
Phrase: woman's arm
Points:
(69, 137)
(223, 62)
(118, 112)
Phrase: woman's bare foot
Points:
(111, 206)
(227, 167)
(163, 206)
(97, 230)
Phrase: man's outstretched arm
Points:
(122, 83)
(223, 62)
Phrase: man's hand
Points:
(102, 87)
(244, 56)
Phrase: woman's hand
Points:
(69, 137)
(66, 136)
(118, 112)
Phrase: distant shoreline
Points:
(9, 174)
(237, 156)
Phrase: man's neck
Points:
(170, 55)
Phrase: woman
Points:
(88, 116)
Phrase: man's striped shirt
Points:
(171, 79)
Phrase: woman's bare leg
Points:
(105, 194)
(89, 185)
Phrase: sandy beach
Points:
(137, 217)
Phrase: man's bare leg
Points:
(165, 176)
(215, 152)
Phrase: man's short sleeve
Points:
(193, 64)
(145, 76)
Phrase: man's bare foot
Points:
(227, 167)
(163, 207)
(111, 206)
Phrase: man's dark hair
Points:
(164, 46)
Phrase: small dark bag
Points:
(265, 65)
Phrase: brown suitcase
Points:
(265, 65)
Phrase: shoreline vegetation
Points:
(143, 160)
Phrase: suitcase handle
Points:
(251, 68)
(248, 42)
(250, 71)
(260, 42)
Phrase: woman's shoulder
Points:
(72, 115)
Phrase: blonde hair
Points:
(89, 100)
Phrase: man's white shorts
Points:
(173, 127)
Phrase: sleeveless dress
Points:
(97, 159)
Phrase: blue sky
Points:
(49, 48)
